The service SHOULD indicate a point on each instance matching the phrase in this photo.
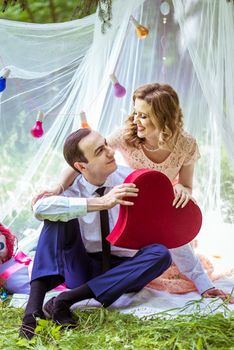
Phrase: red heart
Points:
(152, 218)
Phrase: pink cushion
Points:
(153, 219)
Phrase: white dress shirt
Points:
(73, 204)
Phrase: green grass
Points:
(100, 329)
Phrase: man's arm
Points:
(59, 208)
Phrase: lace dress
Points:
(184, 153)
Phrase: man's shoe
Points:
(60, 312)
(27, 329)
(48, 308)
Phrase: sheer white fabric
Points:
(64, 68)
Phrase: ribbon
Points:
(22, 258)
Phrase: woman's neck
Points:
(152, 141)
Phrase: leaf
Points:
(199, 344)
(43, 323)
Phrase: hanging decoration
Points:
(105, 14)
(119, 90)
(165, 8)
(141, 31)
(83, 119)
(5, 75)
(37, 130)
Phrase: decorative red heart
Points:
(152, 218)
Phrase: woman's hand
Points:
(182, 196)
(54, 191)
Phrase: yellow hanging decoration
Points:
(83, 119)
(141, 31)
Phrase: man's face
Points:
(100, 156)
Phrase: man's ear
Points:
(80, 166)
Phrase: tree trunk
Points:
(52, 11)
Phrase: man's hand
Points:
(113, 197)
(215, 292)
(117, 194)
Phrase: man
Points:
(70, 250)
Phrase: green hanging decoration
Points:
(105, 14)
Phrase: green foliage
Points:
(40, 11)
(100, 329)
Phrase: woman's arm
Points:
(115, 139)
(67, 178)
(183, 190)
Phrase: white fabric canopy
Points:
(62, 69)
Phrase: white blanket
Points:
(149, 301)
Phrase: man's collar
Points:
(92, 188)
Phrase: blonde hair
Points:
(166, 114)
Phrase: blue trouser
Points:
(62, 256)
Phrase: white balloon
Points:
(165, 8)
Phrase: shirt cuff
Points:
(203, 283)
(60, 208)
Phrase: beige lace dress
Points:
(184, 153)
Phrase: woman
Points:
(153, 137)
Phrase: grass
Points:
(100, 329)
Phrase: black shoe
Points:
(62, 314)
(59, 311)
(27, 329)
(48, 308)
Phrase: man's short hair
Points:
(71, 150)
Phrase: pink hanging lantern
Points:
(37, 130)
(119, 90)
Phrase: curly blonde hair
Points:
(166, 114)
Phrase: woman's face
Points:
(143, 119)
